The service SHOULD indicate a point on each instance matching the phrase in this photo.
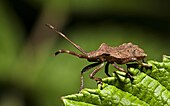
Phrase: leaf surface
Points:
(150, 87)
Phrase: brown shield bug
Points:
(121, 54)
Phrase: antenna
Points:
(64, 36)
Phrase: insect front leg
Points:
(107, 69)
(99, 80)
(121, 69)
(84, 70)
(70, 52)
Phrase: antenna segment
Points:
(64, 36)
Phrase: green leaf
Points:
(150, 87)
(160, 71)
(108, 96)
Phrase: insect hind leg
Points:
(70, 52)
(121, 69)
(144, 65)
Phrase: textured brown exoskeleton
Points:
(122, 54)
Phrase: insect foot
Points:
(130, 76)
(100, 84)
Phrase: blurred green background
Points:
(29, 73)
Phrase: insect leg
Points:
(95, 71)
(121, 69)
(143, 64)
(107, 69)
(70, 52)
(134, 65)
(84, 70)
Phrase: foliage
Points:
(150, 87)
